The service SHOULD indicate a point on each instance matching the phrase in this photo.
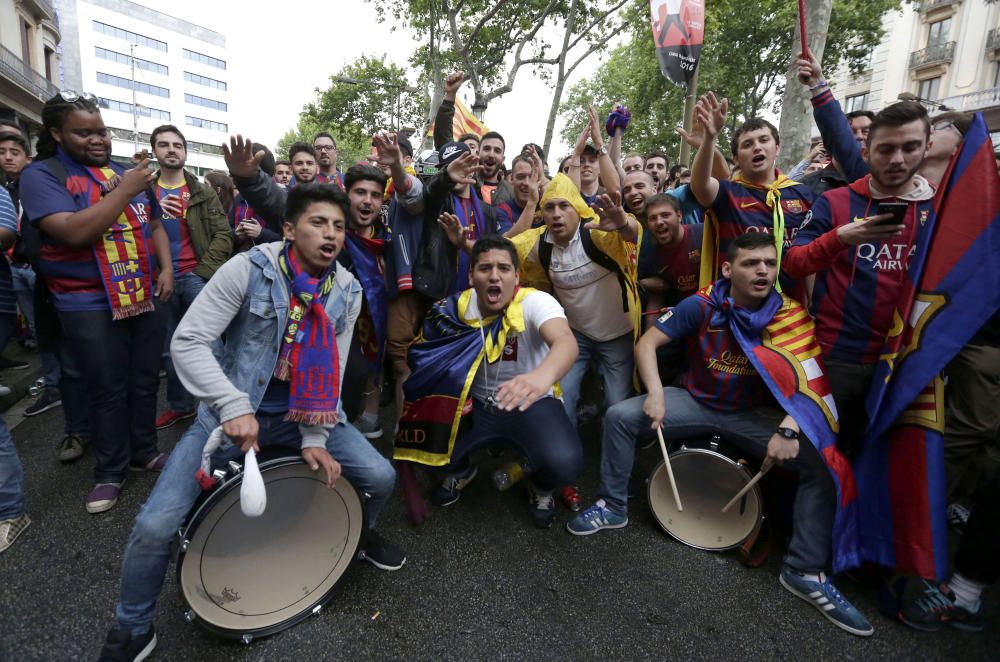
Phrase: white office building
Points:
(946, 52)
(178, 75)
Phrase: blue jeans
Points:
(176, 491)
(815, 503)
(11, 477)
(542, 434)
(614, 359)
(24, 290)
(186, 288)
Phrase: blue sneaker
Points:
(451, 487)
(936, 607)
(594, 519)
(827, 599)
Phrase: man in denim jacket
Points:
(248, 302)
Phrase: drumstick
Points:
(747, 487)
(670, 471)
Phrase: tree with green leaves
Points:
(747, 50)
(365, 96)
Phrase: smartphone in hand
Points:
(897, 209)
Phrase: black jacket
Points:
(435, 266)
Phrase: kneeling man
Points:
(287, 313)
(485, 370)
(752, 363)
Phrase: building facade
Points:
(945, 52)
(148, 68)
(29, 63)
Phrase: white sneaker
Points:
(10, 529)
(4, 391)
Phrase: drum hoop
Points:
(199, 514)
(755, 491)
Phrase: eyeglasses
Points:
(325, 148)
(947, 124)
(69, 96)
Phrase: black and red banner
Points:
(678, 32)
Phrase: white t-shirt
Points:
(524, 351)
(591, 294)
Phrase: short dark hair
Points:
(494, 243)
(562, 164)
(855, 114)
(266, 163)
(655, 154)
(753, 124)
(520, 158)
(664, 199)
(749, 241)
(493, 134)
(361, 173)
(898, 114)
(17, 138)
(325, 134)
(166, 128)
(470, 136)
(298, 147)
(282, 162)
(303, 195)
(54, 114)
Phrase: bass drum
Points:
(707, 478)
(248, 577)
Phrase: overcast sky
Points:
(280, 52)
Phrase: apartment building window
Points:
(195, 56)
(206, 124)
(49, 54)
(131, 37)
(143, 111)
(26, 42)
(205, 80)
(857, 102)
(206, 103)
(128, 84)
(929, 89)
(122, 58)
(938, 32)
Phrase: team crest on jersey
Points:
(923, 217)
(794, 206)
(662, 319)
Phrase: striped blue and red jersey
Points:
(336, 179)
(740, 209)
(719, 375)
(71, 272)
(856, 287)
(181, 248)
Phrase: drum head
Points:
(258, 575)
(706, 481)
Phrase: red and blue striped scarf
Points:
(308, 355)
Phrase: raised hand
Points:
(386, 149)
(452, 83)
(809, 72)
(240, 159)
(581, 142)
(610, 212)
(712, 114)
(463, 169)
(695, 137)
(595, 127)
(452, 227)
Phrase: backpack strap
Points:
(56, 167)
(594, 253)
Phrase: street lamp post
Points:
(908, 96)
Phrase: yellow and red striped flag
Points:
(464, 122)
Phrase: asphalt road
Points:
(480, 582)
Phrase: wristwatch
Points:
(603, 150)
(788, 433)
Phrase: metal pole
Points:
(689, 101)
(135, 108)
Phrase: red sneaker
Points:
(571, 497)
(170, 417)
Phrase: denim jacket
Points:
(247, 300)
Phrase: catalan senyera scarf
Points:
(122, 255)
(308, 356)
(773, 201)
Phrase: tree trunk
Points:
(796, 110)
(560, 78)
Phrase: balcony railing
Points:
(928, 5)
(974, 101)
(16, 69)
(933, 54)
(993, 39)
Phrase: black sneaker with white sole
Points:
(381, 553)
(49, 399)
(122, 647)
